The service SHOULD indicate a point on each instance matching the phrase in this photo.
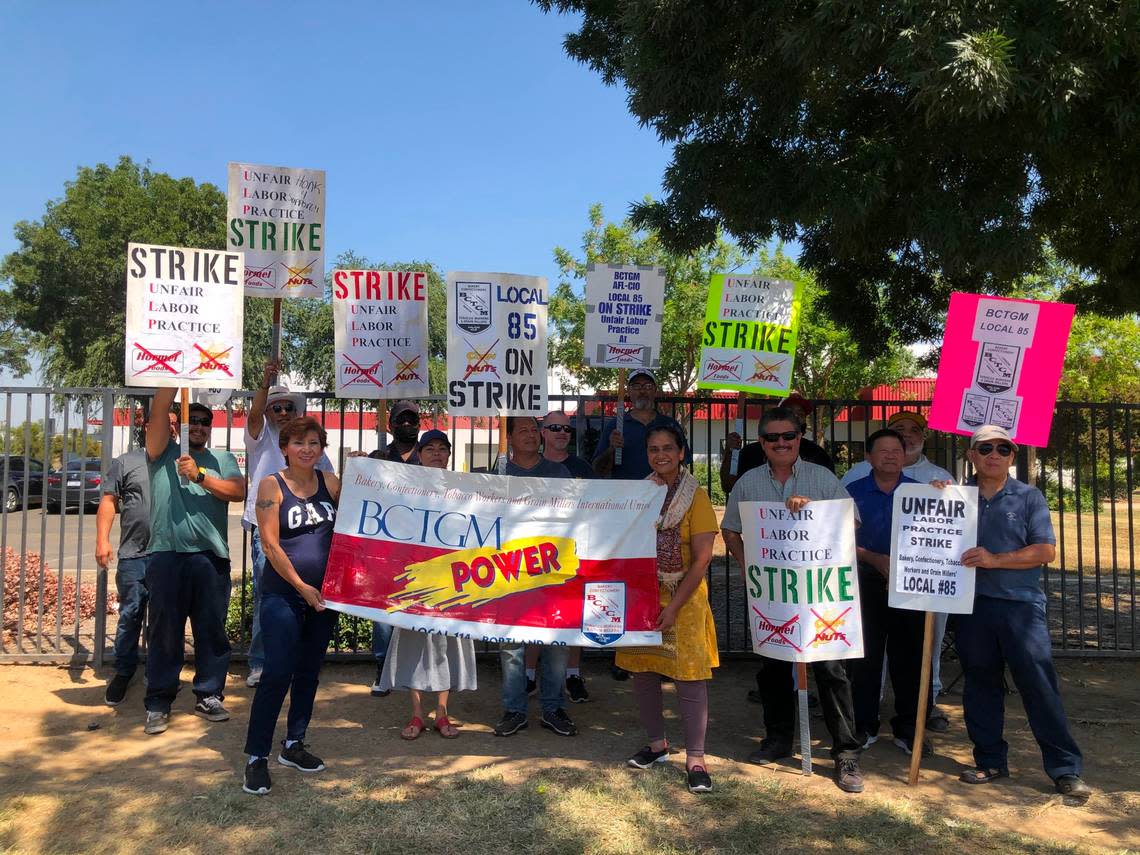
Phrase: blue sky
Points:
(454, 132)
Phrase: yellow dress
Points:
(689, 650)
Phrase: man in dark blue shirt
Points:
(636, 424)
(1007, 626)
(896, 632)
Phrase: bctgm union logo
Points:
(625, 354)
(261, 277)
(718, 370)
(603, 611)
(473, 306)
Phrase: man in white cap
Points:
(1007, 625)
(270, 409)
(636, 423)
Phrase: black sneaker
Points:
(1073, 787)
(937, 722)
(377, 692)
(559, 722)
(646, 757)
(699, 780)
(618, 673)
(297, 757)
(848, 776)
(116, 690)
(257, 781)
(531, 687)
(511, 723)
(210, 708)
(769, 752)
(576, 689)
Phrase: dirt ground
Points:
(77, 776)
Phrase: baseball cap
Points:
(991, 432)
(916, 417)
(431, 436)
(403, 406)
(643, 372)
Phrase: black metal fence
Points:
(56, 598)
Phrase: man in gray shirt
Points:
(788, 479)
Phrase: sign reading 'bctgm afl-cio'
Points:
(930, 529)
(624, 306)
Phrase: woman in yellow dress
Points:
(688, 652)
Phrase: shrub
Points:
(52, 595)
(701, 472)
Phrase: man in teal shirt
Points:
(189, 571)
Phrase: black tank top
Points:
(305, 531)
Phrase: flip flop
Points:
(445, 728)
(414, 729)
(982, 775)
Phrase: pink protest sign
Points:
(1001, 364)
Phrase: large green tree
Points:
(64, 292)
(913, 148)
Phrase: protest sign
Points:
(751, 328)
(801, 579)
(184, 317)
(496, 344)
(1001, 364)
(624, 307)
(497, 558)
(930, 529)
(276, 216)
(380, 327)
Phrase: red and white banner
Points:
(497, 558)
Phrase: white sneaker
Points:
(156, 722)
(871, 740)
(253, 679)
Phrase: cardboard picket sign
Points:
(276, 216)
(496, 344)
(625, 305)
(184, 317)
(381, 333)
(1001, 364)
(930, 529)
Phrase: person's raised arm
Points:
(158, 425)
(269, 530)
(256, 419)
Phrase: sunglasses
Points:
(786, 436)
(406, 419)
(282, 408)
(557, 428)
(201, 421)
(987, 448)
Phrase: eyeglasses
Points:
(282, 408)
(642, 387)
(987, 448)
(201, 421)
(786, 436)
(557, 428)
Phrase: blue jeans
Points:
(552, 660)
(381, 636)
(296, 638)
(130, 582)
(257, 566)
(1012, 632)
(182, 585)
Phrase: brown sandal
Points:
(414, 729)
(445, 728)
(982, 775)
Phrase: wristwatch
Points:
(201, 476)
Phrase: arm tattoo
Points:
(266, 503)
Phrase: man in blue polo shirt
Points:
(896, 632)
(1007, 626)
(636, 423)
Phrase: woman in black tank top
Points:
(296, 510)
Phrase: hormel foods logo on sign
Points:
(624, 354)
(717, 370)
(156, 361)
(300, 277)
(781, 634)
(765, 372)
(473, 577)
(261, 277)
(359, 374)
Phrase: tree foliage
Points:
(913, 148)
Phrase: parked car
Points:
(78, 485)
(24, 489)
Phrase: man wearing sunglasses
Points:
(752, 455)
(794, 482)
(271, 408)
(1007, 626)
(636, 424)
(188, 575)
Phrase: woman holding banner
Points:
(420, 662)
(296, 510)
(688, 652)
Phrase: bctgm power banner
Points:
(803, 588)
(624, 309)
(184, 317)
(497, 558)
(276, 216)
(496, 344)
(1001, 364)
(930, 529)
(751, 328)
(381, 332)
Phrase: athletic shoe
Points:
(531, 687)
(210, 708)
(769, 752)
(253, 679)
(511, 723)
(257, 781)
(646, 757)
(937, 722)
(377, 692)
(1073, 787)
(156, 722)
(116, 690)
(297, 757)
(907, 745)
(871, 740)
(559, 722)
(576, 689)
(699, 780)
(848, 777)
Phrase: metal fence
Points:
(56, 598)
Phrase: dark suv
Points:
(23, 489)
